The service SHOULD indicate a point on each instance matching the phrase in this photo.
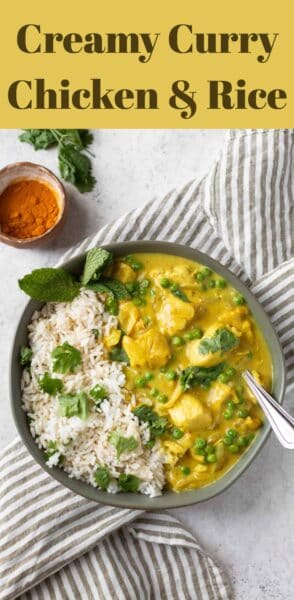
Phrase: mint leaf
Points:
(102, 478)
(202, 376)
(66, 358)
(116, 287)
(119, 355)
(25, 356)
(73, 405)
(128, 483)
(122, 444)
(96, 260)
(50, 285)
(222, 341)
(49, 385)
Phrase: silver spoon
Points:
(281, 422)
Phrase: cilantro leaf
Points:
(157, 425)
(102, 477)
(73, 405)
(25, 356)
(98, 394)
(122, 444)
(119, 355)
(49, 385)
(128, 483)
(66, 358)
(51, 449)
(39, 138)
(223, 340)
(202, 376)
(76, 167)
(178, 293)
(96, 260)
(50, 285)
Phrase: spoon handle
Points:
(281, 422)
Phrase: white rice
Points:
(84, 443)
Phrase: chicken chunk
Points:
(237, 318)
(190, 414)
(176, 449)
(217, 395)
(128, 316)
(150, 349)
(124, 273)
(208, 359)
(113, 338)
(174, 315)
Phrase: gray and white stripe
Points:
(56, 545)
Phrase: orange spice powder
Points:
(28, 208)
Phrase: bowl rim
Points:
(168, 499)
(22, 242)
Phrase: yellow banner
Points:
(161, 64)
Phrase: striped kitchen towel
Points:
(56, 545)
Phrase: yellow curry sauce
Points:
(188, 336)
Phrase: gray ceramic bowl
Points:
(168, 499)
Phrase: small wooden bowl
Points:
(15, 172)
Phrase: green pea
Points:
(177, 433)
(188, 336)
(250, 436)
(186, 470)
(199, 276)
(211, 283)
(154, 392)
(230, 372)
(197, 333)
(211, 458)
(177, 340)
(231, 405)
(138, 301)
(140, 382)
(149, 376)
(242, 441)
(206, 271)
(200, 443)
(232, 433)
(223, 378)
(210, 449)
(165, 282)
(227, 414)
(174, 287)
(162, 398)
(220, 284)
(171, 375)
(135, 264)
(200, 452)
(242, 413)
(227, 440)
(239, 300)
(234, 448)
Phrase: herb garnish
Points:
(74, 164)
(25, 356)
(102, 477)
(50, 385)
(202, 376)
(121, 443)
(157, 425)
(128, 483)
(119, 355)
(223, 340)
(73, 405)
(66, 358)
(96, 260)
(50, 285)
(98, 394)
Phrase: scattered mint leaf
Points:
(73, 405)
(50, 285)
(202, 376)
(25, 356)
(96, 260)
(49, 385)
(102, 477)
(66, 358)
(119, 355)
(122, 444)
(128, 483)
(222, 341)
(117, 288)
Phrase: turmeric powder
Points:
(28, 208)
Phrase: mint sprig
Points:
(50, 285)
